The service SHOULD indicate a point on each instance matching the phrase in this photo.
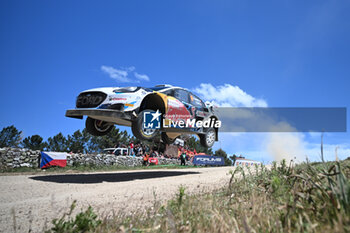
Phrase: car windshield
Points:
(126, 89)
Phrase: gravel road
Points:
(30, 202)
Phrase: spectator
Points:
(145, 160)
(140, 152)
(153, 154)
(183, 158)
(131, 148)
(146, 150)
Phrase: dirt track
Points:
(32, 201)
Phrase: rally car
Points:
(129, 106)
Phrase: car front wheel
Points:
(97, 127)
(139, 131)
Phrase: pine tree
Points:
(222, 153)
(76, 142)
(57, 143)
(34, 142)
(10, 137)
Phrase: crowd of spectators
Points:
(140, 150)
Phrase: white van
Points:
(116, 151)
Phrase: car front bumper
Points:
(114, 116)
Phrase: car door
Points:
(185, 97)
(177, 106)
(200, 110)
(117, 152)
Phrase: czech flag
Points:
(49, 159)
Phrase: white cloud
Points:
(141, 76)
(122, 74)
(118, 75)
(228, 95)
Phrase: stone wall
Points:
(18, 157)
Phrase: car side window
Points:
(195, 101)
(182, 95)
(169, 92)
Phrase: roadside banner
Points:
(49, 159)
(153, 161)
(208, 160)
(246, 163)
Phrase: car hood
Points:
(107, 90)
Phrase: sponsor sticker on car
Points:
(151, 120)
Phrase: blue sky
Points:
(286, 53)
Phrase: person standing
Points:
(139, 152)
(183, 158)
(131, 148)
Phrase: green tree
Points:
(76, 142)
(222, 153)
(34, 142)
(193, 143)
(113, 138)
(89, 146)
(10, 137)
(57, 143)
(233, 158)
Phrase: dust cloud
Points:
(288, 146)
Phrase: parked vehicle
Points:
(116, 151)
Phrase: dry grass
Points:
(286, 198)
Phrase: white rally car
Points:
(127, 106)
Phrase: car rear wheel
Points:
(97, 127)
(208, 139)
(139, 131)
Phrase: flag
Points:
(53, 159)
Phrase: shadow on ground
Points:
(109, 177)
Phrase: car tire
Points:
(97, 127)
(208, 139)
(139, 132)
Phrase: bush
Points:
(84, 222)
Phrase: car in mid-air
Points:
(130, 106)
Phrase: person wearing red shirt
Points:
(131, 148)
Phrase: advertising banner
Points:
(246, 163)
(153, 161)
(208, 160)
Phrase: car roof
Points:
(166, 87)
(173, 87)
